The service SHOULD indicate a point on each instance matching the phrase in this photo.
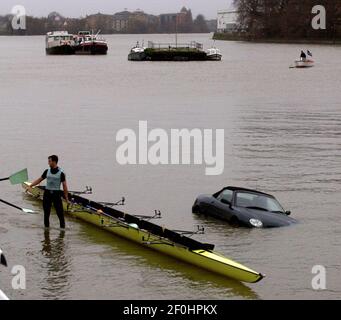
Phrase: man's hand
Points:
(68, 204)
(66, 192)
(30, 186)
(35, 183)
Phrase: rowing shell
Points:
(153, 236)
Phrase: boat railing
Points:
(169, 45)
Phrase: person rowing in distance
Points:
(303, 56)
(310, 58)
(55, 177)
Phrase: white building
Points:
(227, 20)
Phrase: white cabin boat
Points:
(60, 43)
(214, 54)
(137, 53)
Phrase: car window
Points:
(226, 195)
(244, 199)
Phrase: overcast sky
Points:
(76, 8)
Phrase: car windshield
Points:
(257, 201)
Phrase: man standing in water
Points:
(54, 178)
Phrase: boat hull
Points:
(304, 64)
(204, 259)
(60, 50)
(137, 56)
(91, 49)
(214, 57)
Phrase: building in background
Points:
(98, 22)
(181, 21)
(227, 20)
(134, 22)
(168, 18)
(121, 21)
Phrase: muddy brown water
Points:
(282, 136)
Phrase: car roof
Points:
(246, 190)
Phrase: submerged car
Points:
(244, 207)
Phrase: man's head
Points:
(53, 161)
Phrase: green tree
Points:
(286, 18)
(200, 25)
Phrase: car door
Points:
(221, 206)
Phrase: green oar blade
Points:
(19, 177)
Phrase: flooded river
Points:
(282, 136)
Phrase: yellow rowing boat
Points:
(143, 232)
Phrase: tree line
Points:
(287, 19)
(138, 23)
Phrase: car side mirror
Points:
(226, 202)
(288, 213)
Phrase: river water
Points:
(282, 136)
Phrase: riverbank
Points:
(239, 37)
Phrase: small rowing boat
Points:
(304, 62)
(300, 64)
(140, 230)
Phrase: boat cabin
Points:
(84, 36)
(58, 37)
